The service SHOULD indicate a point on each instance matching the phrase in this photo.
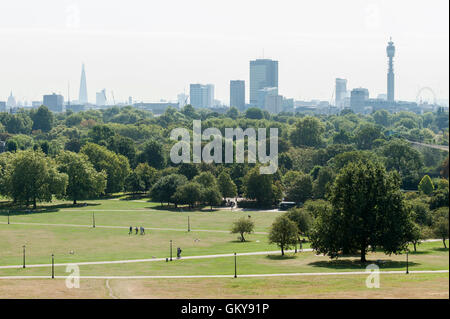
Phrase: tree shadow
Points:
(184, 209)
(356, 264)
(442, 249)
(279, 257)
(18, 210)
(136, 196)
(420, 252)
(238, 241)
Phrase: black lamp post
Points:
(407, 266)
(235, 266)
(93, 220)
(189, 224)
(170, 250)
(23, 256)
(8, 217)
(53, 266)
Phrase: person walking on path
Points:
(131, 230)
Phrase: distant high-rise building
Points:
(2, 106)
(202, 95)
(100, 98)
(390, 50)
(358, 99)
(273, 104)
(341, 91)
(237, 94)
(11, 102)
(263, 73)
(83, 96)
(54, 102)
(210, 95)
(36, 104)
(263, 94)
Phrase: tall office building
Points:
(263, 73)
(263, 94)
(54, 102)
(237, 94)
(202, 95)
(209, 95)
(273, 104)
(83, 96)
(100, 98)
(2, 106)
(358, 99)
(390, 50)
(341, 91)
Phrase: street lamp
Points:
(189, 225)
(53, 266)
(23, 256)
(8, 217)
(235, 266)
(407, 266)
(93, 220)
(170, 250)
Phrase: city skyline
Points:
(133, 59)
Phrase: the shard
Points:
(83, 97)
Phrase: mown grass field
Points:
(69, 235)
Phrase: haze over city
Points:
(153, 51)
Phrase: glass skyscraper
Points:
(237, 94)
(263, 73)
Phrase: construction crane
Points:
(114, 100)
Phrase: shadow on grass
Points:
(238, 241)
(172, 208)
(20, 210)
(279, 257)
(356, 264)
(420, 252)
(441, 249)
(137, 196)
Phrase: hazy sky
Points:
(153, 50)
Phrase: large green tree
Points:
(189, 193)
(42, 119)
(33, 177)
(368, 210)
(283, 233)
(116, 166)
(153, 154)
(261, 187)
(243, 226)
(426, 185)
(440, 224)
(298, 186)
(226, 185)
(400, 156)
(166, 186)
(307, 132)
(366, 135)
(83, 180)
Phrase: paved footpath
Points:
(342, 273)
(126, 227)
(151, 259)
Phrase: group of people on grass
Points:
(141, 229)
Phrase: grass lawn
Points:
(391, 286)
(137, 213)
(84, 244)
